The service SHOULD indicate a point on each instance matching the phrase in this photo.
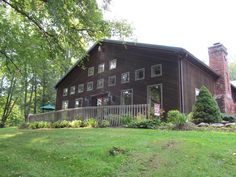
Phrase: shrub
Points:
(104, 123)
(125, 120)
(177, 118)
(75, 123)
(60, 124)
(91, 122)
(144, 123)
(205, 108)
(229, 118)
(23, 125)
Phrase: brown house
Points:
(117, 72)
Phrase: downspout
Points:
(181, 84)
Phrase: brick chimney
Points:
(218, 62)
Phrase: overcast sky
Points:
(191, 24)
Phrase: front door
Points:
(154, 97)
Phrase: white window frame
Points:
(65, 92)
(63, 103)
(132, 98)
(91, 82)
(100, 80)
(101, 68)
(109, 78)
(79, 99)
(122, 81)
(196, 93)
(90, 71)
(82, 86)
(152, 70)
(136, 71)
(114, 60)
(72, 93)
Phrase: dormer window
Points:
(101, 68)
(90, 71)
(112, 64)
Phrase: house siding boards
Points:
(194, 77)
(129, 59)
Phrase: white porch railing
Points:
(111, 113)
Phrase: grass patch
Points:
(138, 152)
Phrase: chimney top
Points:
(217, 47)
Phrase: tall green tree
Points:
(232, 70)
(39, 41)
(206, 109)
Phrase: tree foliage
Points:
(39, 41)
(206, 108)
(232, 71)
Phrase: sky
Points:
(191, 24)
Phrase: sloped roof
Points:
(175, 50)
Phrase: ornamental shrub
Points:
(75, 123)
(206, 108)
(104, 123)
(91, 122)
(177, 118)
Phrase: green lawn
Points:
(85, 152)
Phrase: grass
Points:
(85, 152)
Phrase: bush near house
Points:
(177, 118)
(206, 108)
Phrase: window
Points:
(78, 102)
(154, 95)
(125, 77)
(65, 91)
(101, 68)
(111, 80)
(90, 86)
(100, 83)
(197, 91)
(112, 64)
(156, 70)
(127, 97)
(80, 88)
(91, 71)
(139, 74)
(72, 90)
(65, 104)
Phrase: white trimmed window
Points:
(79, 102)
(101, 68)
(197, 91)
(65, 104)
(139, 74)
(72, 90)
(127, 97)
(90, 71)
(90, 86)
(80, 88)
(156, 70)
(111, 80)
(112, 64)
(100, 83)
(65, 91)
(125, 77)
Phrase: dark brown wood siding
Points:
(194, 77)
(129, 59)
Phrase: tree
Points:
(206, 108)
(232, 71)
(39, 41)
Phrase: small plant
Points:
(92, 122)
(177, 118)
(23, 125)
(229, 118)
(145, 123)
(125, 120)
(104, 123)
(75, 123)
